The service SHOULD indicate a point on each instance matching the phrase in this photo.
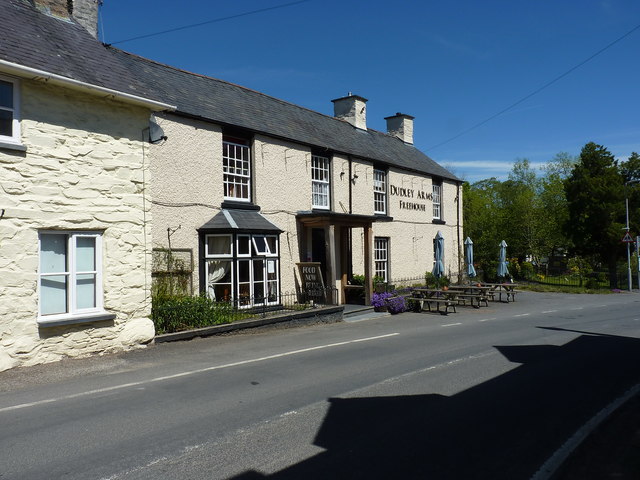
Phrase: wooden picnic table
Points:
(508, 289)
(437, 297)
(474, 294)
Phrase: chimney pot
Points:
(352, 109)
(85, 12)
(401, 125)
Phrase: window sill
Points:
(9, 145)
(60, 320)
(437, 221)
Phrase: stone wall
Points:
(83, 169)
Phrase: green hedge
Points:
(174, 313)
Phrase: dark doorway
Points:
(319, 251)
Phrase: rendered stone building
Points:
(247, 186)
(75, 234)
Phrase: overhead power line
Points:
(215, 20)
(535, 92)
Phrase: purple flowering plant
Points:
(379, 300)
(396, 305)
(393, 305)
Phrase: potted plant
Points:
(379, 301)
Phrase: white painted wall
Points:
(83, 170)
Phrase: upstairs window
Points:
(320, 183)
(236, 165)
(437, 200)
(9, 111)
(379, 191)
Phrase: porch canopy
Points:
(342, 223)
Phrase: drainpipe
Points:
(350, 259)
(458, 230)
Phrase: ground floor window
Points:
(381, 257)
(243, 268)
(70, 273)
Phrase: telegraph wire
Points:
(535, 92)
(215, 20)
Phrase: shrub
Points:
(429, 279)
(591, 283)
(526, 269)
(173, 313)
(357, 280)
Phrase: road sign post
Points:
(628, 239)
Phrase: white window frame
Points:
(14, 138)
(379, 191)
(381, 257)
(320, 182)
(236, 171)
(218, 255)
(267, 255)
(437, 201)
(71, 272)
(226, 257)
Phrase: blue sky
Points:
(450, 64)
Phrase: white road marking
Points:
(554, 462)
(191, 372)
(578, 308)
(450, 324)
(550, 311)
(522, 315)
(487, 319)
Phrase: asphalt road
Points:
(485, 393)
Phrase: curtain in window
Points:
(218, 269)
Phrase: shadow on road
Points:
(504, 428)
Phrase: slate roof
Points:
(229, 220)
(229, 104)
(60, 46)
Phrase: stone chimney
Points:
(85, 12)
(401, 125)
(353, 109)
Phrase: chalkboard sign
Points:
(311, 275)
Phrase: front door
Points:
(318, 250)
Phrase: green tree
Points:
(483, 218)
(522, 212)
(595, 200)
(553, 202)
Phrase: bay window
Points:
(243, 268)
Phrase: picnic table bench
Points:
(508, 289)
(429, 297)
(473, 294)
